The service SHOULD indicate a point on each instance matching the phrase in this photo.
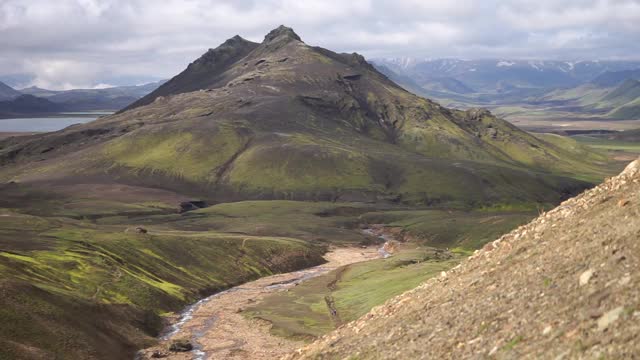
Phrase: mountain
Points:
(28, 104)
(205, 72)
(7, 92)
(285, 120)
(489, 75)
(628, 111)
(447, 85)
(626, 92)
(615, 78)
(620, 102)
(564, 285)
(625, 100)
(113, 98)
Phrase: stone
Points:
(632, 168)
(137, 230)
(192, 205)
(181, 345)
(585, 277)
(625, 280)
(609, 317)
(158, 354)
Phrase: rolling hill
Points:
(619, 102)
(615, 78)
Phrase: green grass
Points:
(71, 267)
(302, 311)
(315, 222)
(181, 154)
(462, 230)
(608, 145)
(160, 271)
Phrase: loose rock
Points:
(585, 277)
(181, 345)
(609, 317)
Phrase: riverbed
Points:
(218, 330)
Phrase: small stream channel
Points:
(187, 314)
(385, 237)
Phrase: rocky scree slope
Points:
(564, 286)
(285, 120)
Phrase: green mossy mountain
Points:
(285, 120)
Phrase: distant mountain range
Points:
(503, 75)
(620, 101)
(34, 100)
(605, 89)
(28, 104)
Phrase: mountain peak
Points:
(281, 32)
(237, 39)
(7, 92)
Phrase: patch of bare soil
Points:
(218, 330)
(565, 286)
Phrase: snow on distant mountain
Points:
(491, 75)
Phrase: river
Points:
(218, 330)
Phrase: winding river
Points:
(218, 330)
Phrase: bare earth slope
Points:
(565, 285)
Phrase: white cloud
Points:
(88, 42)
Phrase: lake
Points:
(48, 123)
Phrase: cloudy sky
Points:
(89, 43)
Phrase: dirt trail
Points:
(218, 329)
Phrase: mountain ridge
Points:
(7, 92)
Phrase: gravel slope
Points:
(564, 286)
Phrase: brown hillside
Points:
(564, 286)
